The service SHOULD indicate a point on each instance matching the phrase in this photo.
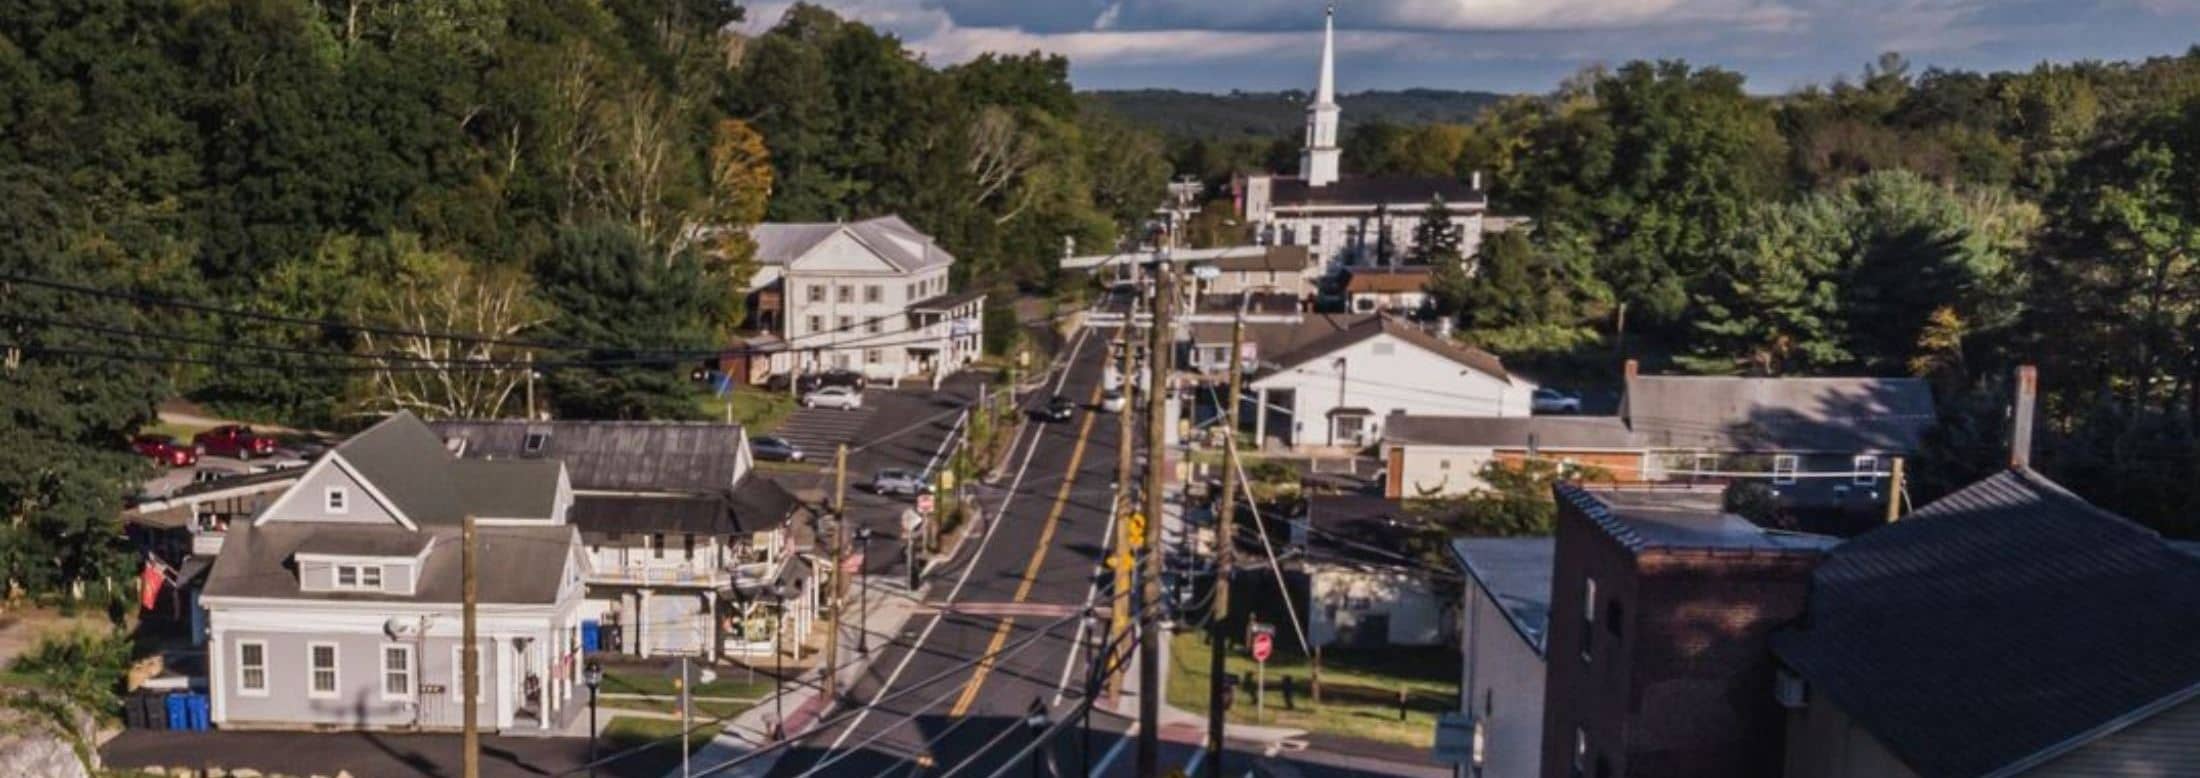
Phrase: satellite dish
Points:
(401, 627)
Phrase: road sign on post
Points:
(924, 504)
(1263, 643)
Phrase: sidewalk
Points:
(892, 606)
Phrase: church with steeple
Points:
(1351, 222)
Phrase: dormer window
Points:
(535, 441)
(359, 577)
(337, 500)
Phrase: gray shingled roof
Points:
(892, 239)
(700, 515)
(366, 540)
(406, 462)
(614, 455)
(1465, 355)
(1516, 572)
(1779, 414)
(518, 565)
(2000, 625)
(1282, 259)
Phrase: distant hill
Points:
(1268, 114)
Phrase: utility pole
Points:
(1225, 554)
(1894, 492)
(1157, 411)
(470, 663)
(530, 386)
(1119, 615)
(840, 570)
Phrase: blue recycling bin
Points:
(201, 714)
(179, 713)
(591, 636)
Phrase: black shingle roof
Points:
(2000, 625)
(614, 455)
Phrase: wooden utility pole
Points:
(1225, 554)
(1894, 492)
(530, 386)
(470, 663)
(1158, 397)
(1119, 615)
(839, 580)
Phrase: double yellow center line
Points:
(1038, 560)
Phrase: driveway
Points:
(367, 754)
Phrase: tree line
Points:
(314, 213)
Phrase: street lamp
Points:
(592, 674)
(1036, 721)
(863, 591)
(779, 672)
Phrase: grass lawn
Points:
(755, 409)
(1359, 689)
(182, 432)
(642, 680)
(624, 732)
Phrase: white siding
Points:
(1441, 470)
(1386, 375)
(1502, 678)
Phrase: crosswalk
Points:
(818, 430)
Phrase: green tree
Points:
(610, 291)
(1435, 239)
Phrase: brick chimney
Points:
(2020, 428)
(1629, 369)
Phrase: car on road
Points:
(840, 397)
(165, 449)
(810, 382)
(896, 481)
(772, 449)
(1058, 408)
(1113, 401)
(1554, 401)
(233, 440)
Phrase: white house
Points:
(1504, 616)
(1335, 390)
(1364, 587)
(1351, 220)
(870, 296)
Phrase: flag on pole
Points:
(149, 583)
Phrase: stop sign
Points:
(1263, 643)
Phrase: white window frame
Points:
(336, 577)
(1866, 471)
(335, 671)
(411, 671)
(359, 577)
(243, 687)
(337, 500)
(1783, 469)
(1588, 616)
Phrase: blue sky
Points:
(1516, 45)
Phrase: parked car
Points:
(771, 449)
(1058, 408)
(166, 450)
(233, 440)
(840, 397)
(1113, 401)
(1554, 401)
(896, 481)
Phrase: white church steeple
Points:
(1318, 161)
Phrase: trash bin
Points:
(177, 707)
(591, 636)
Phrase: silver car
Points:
(840, 397)
(897, 481)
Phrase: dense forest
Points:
(261, 205)
(1944, 224)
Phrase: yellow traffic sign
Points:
(1136, 529)
(947, 480)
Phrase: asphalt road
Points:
(1016, 592)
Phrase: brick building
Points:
(1662, 607)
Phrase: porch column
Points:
(641, 628)
(717, 636)
(1260, 420)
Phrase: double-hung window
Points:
(1783, 469)
(321, 670)
(252, 667)
(1866, 471)
(337, 500)
(397, 671)
(359, 577)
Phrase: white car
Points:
(1112, 401)
(840, 397)
(1554, 401)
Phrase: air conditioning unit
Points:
(401, 627)
(1790, 689)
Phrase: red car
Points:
(166, 450)
(233, 440)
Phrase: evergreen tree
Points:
(1436, 241)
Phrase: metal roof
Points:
(1516, 572)
(613, 455)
